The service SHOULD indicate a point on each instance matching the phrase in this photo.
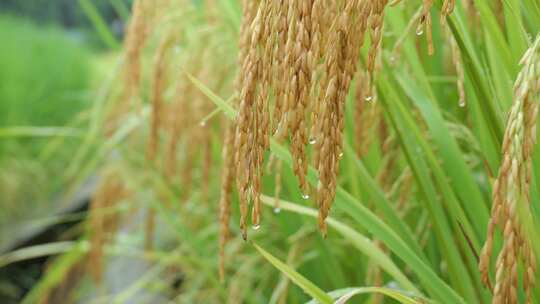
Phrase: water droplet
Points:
(312, 141)
(305, 196)
(392, 59)
(419, 31)
(461, 103)
(369, 98)
(340, 155)
(202, 123)
(177, 49)
(256, 226)
(277, 210)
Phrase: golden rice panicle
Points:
(134, 42)
(227, 179)
(298, 79)
(179, 116)
(261, 123)
(247, 150)
(376, 24)
(201, 134)
(458, 64)
(323, 14)
(158, 86)
(279, 37)
(447, 9)
(511, 188)
(344, 43)
(103, 221)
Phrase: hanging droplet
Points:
(256, 226)
(369, 98)
(305, 196)
(461, 103)
(312, 141)
(277, 210)
(340, 155)
(420, 30)
(202, 123)
(392, 59)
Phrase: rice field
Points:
(305, 152)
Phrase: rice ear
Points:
(511, 188)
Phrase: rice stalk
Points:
(103, 225)
(227, 178)
(136, 36)
(457, 61)
(179, 116)
(425, 25)
(366, 113)
(159, 82)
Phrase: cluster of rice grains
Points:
(511, 198)
(136, 36)
(301, 55)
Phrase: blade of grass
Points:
(311, 289)
(453, 163)
(362, 243)
(418, 154)
(35, 251)
(56, 272)
(32, 131)
(121, 9)
(222, 104)
(99, 24)
(343, 295)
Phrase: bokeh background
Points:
(52, 55)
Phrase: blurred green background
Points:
(50, 56)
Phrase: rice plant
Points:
(311, 151)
